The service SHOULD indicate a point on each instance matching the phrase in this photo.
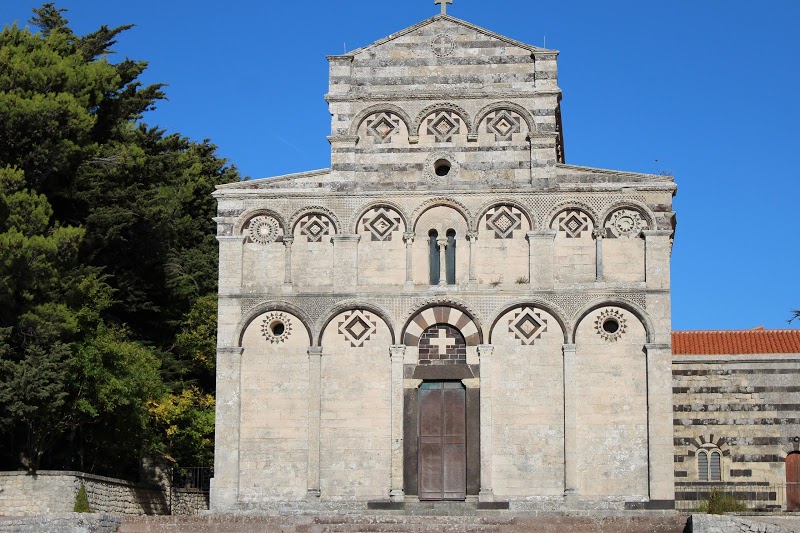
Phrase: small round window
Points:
(276, 327)
(442, 167)
(610, 324)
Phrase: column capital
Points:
(345, 238)
(598, 233)
(441, 242)
(569, 348)
(541, 234)
(655, 346)
(237, 239)
(288, 240)
(315, 350)
(648, 233)
(408, 237)
(397, 351)
(485, 350)
(472, 236)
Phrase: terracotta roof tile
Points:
(751, 341)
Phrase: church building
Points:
(450, 311)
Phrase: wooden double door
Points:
(442, 435)
(793, 481)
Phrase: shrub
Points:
(81, 501)
(721, 503)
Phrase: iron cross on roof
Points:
(444, 5)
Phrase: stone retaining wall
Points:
(708, 523)
(62, 523)
(22, 494)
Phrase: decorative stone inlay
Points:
(357, 327)
(263, 229)
(314, 227)
(381, 222)
(382, 127)
(442, 344)
(573, 223)
(443, 125)
(503, 124)
(527, 325)
(503, 220)
(610, 325)
(276, 327)
(626, 224)
(443, 45)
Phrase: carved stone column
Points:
(314, 413)
(472, 238)
(541, 247)
(287, 276)
(396, 493)
(598, 234)
(570, 423)
(485, 351)
(408, 238)
(441, 242)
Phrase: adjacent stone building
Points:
(450, 311)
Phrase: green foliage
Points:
(81, 501)
(108, 260)
(721, 503)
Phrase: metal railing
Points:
(190, 489)
(754, 496)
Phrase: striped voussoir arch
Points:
(442, 315)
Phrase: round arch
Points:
(532, 302)
(354, 305)
(436, 202)
(265, 307)
(360, 212)
(315, 209)
(365, 113)
(509, 106)
(592, 214)
(630, 204)
(441, 106)
(248, 215)
(631, 307)
(495, 203)
(442, 313)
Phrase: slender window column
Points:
(441, 242)
(472, 238)
(570, 423)
(287, 276)
(314, 408)
(598, 235)
(485, 351)
(408, 238)
(396, 493)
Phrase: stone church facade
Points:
(450, 311)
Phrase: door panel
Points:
(442, 441)
(793, 482)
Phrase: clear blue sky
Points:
(706, 90)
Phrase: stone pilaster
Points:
(345, 261)
(230, 263)
(314, 415)
(659, 421)
(598, 234)
(541, 246)
(396, 493)
(485, 352)
(657, 251)
(570, 423)
(225, 487)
